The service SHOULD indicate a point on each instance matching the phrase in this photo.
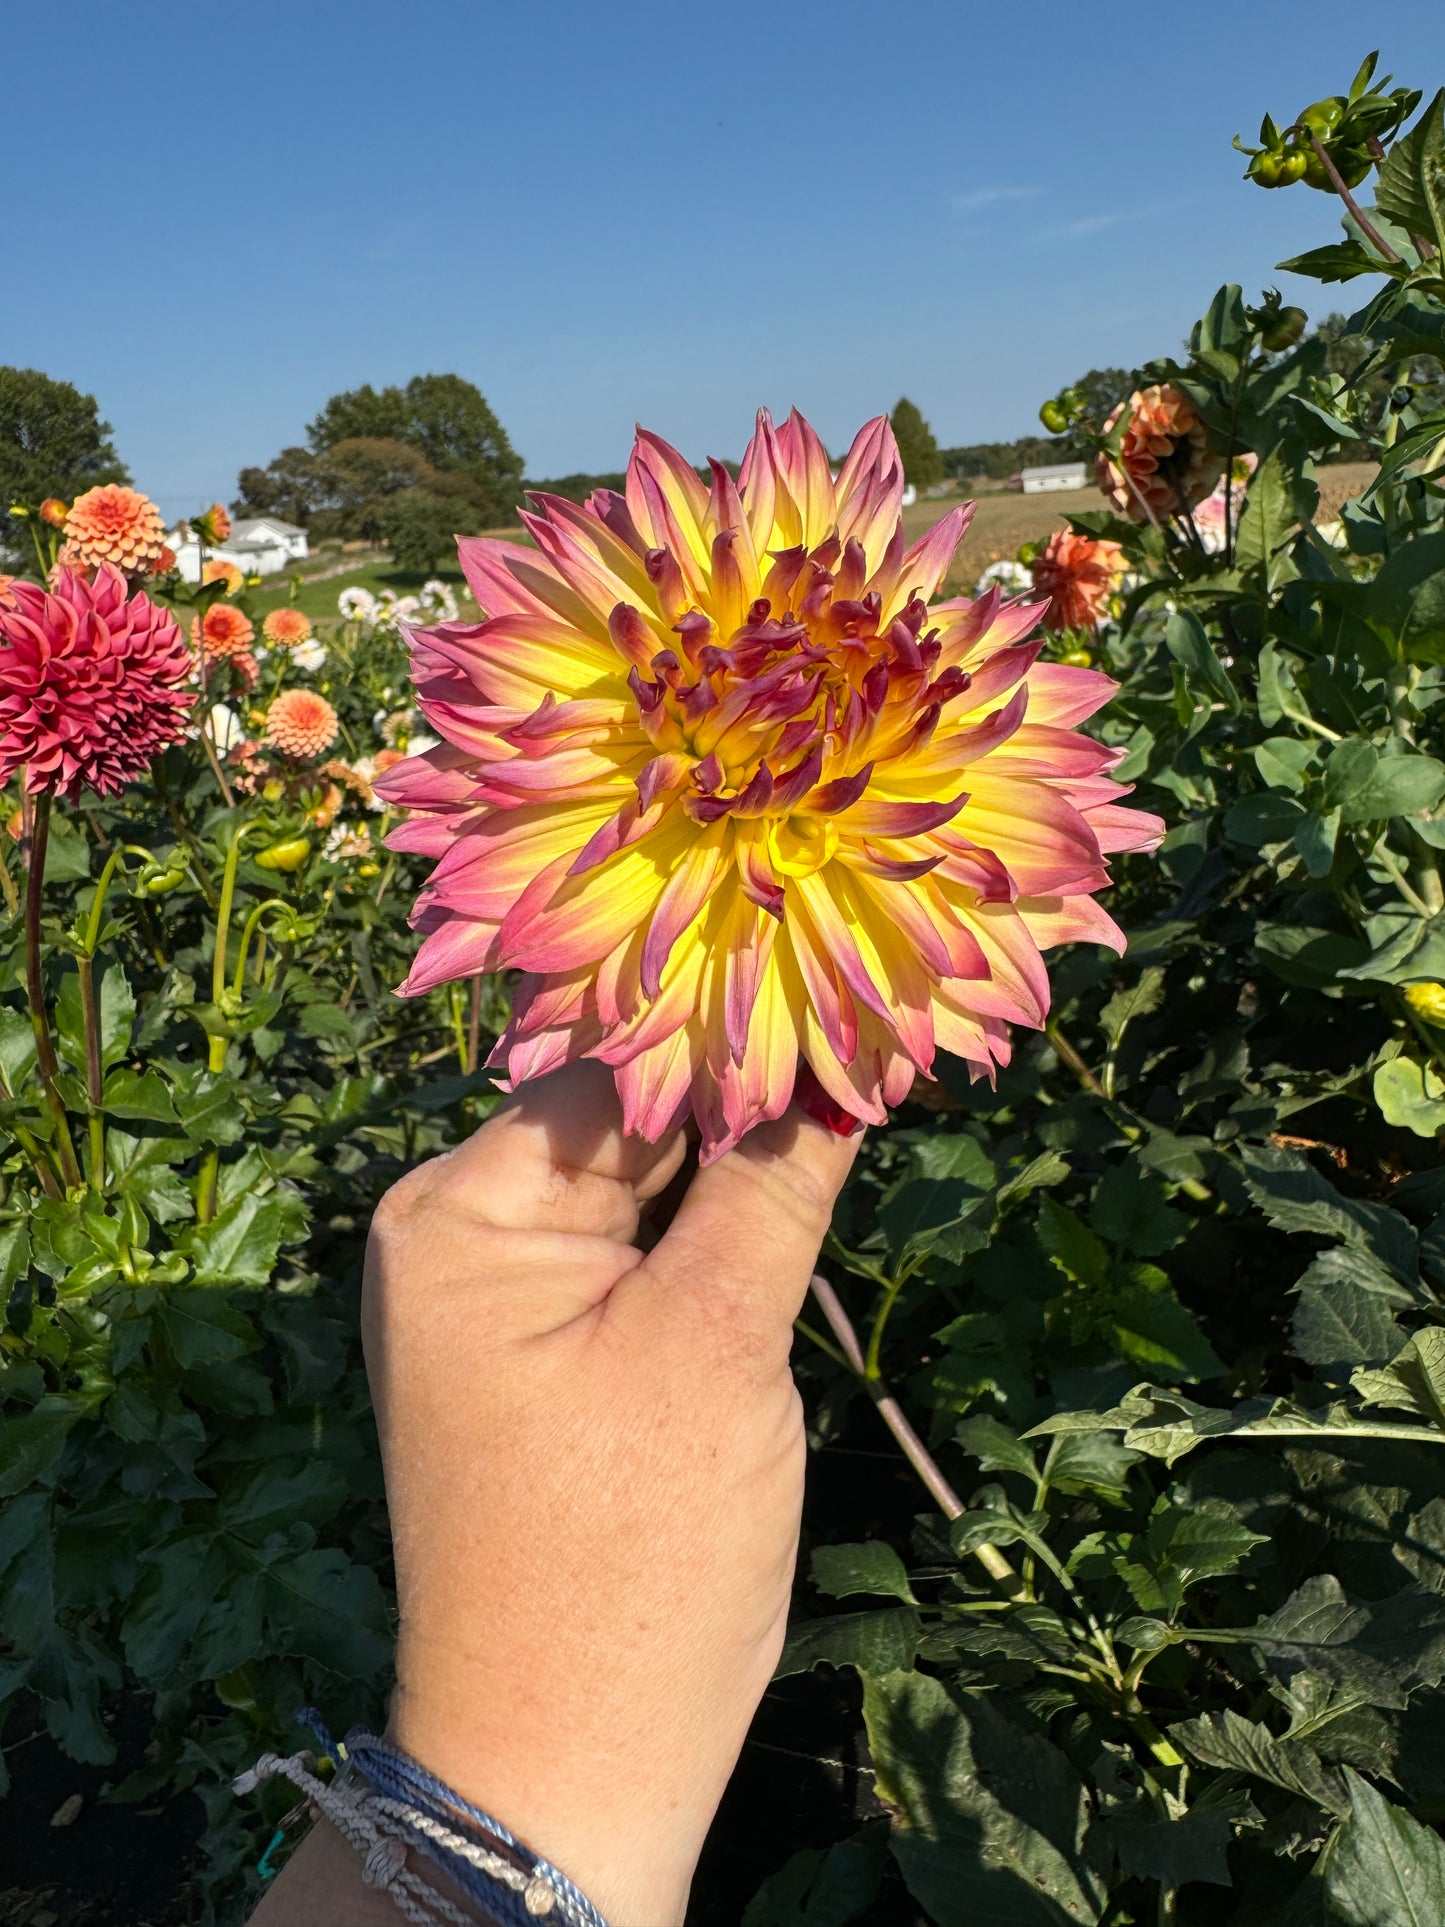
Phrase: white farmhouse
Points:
(261, 545)
(1042, 481)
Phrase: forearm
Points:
(321, 1885)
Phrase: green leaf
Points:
(822, 1887)
(67, 854)
(1187, 643)
(205, 1330)
(1295, 1197)
(1135, 1000)
(1130, 1211)
(1234, 1744)
(177, 1584)
(1344, 1317)
(868, 1568)
(873, 1642)
(239, 1245)
(1339, 261)
(996, 1447)
(1411, 187)
(1174, 1852)
(1283, 762)
(991, 1818)
(322, 1604)
(31, 1445)
(1411, 1096)
(17, 1049)
(1397, 786)
(1179, 1549)
(1276, 502)
(1152, 1328)
(1413, 1381)
(1315, 837)
(1073, 1248)
(1383, 1869)
(141, 1094)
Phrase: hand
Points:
(594, 1466)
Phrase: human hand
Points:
(594, 1467)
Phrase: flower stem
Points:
(1365, 225)
(35, 992)
(94, 1084)
(892, 1415)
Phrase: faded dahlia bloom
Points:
(1220, 511)
(1163, 461)
(164, 562)
(92, 686)
(1080, 577)
(731, 794)
(286, 627)
(54, 511)
(301, 724)
(223, 631)
(113, 524)
(212, 527)
(218, 569)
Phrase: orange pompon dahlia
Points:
(223, 631)
(734, 797)
(1164, 465)
(164, 562)
(7, 584)
(286, 628)
(116, 525)
(218, 569)
(54, 511)
(1079, 576)
(301, 724)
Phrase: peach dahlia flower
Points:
(301, 724)
(113, 524)
(733, 796)
(1079, 576)
(1164, 459)
(286, 628)
(218, 569)
(223, 631)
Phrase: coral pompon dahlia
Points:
(92, 685)
(734, 797)
(116, 525)
(1079, 576)
(1164, 465)
(286, 627)
(301, 724)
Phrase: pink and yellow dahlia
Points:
(286, 627)
(116, 525)
(1164, 465)
(92, 685)
(734, 797)
(1079, 576)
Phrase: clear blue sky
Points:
(214, 217)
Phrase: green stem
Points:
(49, 1064)
(1401, 882)
(94, 1075)
(1366, 226)
(873, 1368)
(248, 930)
(208, 1176)
(1308, 722)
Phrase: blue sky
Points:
(215, 217)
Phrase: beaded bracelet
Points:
(384, 1802)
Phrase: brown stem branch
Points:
(1362, 220)
(892, 1415)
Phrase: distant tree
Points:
(421, 528)
(998, 460)
(291, 487)
(576, 488)
(446, 418)
(52, 442)
(922, 463)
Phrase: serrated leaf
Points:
(996, 1447)
(1130, 1210)
(1234, 1744)
(239, 1245)
(1413, 1381)
(867, 1568)
(1411, 187)
(875, 1642)
(322, 1604)
(992, 1818)
(822, 1887)
(1382, 1868)
(1178, 1549)
(1135, 1000)
(1295, 1197)
(1345, 1316)
(1071, 1245)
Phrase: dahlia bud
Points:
(288, 855)
(54, 511)
(214, 526)
(1286, 329)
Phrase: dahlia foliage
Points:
(92, 685)
(730, 793)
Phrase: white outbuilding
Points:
(1059, 475)
(261, 545)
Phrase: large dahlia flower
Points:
(92, 686)
(732, 795)
(1164, 465)
(116, 525)
(1079, 576)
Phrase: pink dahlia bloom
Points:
(735, 797)
(92, 685)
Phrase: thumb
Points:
(749, 1230)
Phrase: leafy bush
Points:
(1166, 1308)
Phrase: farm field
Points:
(1003, 521)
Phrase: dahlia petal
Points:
(1053, 920)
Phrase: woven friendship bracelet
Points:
(384, 1802)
